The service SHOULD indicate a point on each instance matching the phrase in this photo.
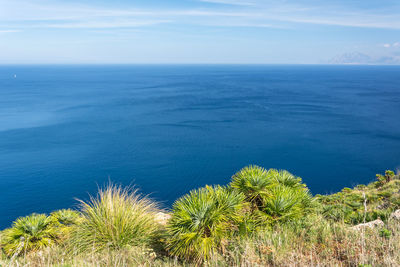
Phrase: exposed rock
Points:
(162, 218)
(395, 215)
(370, 225)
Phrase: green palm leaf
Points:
(275, 195)
(29, 233)
(201, 220)
(254, 182)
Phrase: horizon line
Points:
(194, 63)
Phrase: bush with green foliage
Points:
(285, 203)
(64, 220)
(254, 182)
(385, 233)
(380, 198)
(274, 195)
(30, 233)
(202, 221)
(383, 179)
(66, 217)
(204, 218)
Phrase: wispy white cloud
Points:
(103, 24)
(230, 2)
(8, 31)
(391, 45)
(249, 13)
(348, 20)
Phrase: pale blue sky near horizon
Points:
(199, 31)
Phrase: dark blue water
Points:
(168, 129)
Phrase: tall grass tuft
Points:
(117, 218)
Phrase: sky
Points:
(199, 31)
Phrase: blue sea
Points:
(66, 130)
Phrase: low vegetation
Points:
(115, 219)
(262, 218)
(202, 222)
(363, 203)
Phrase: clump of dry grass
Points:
(58, 257)
(118, 217)
(317, 242)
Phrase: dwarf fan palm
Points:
(254, 182)
(66, 217)
(277, 194)
(201, 220)
(64, 220)
(29, 233)
(285, 178)
(286, 203)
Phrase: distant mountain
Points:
(357, 58)
(388, 60)
(351, 58)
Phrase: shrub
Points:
(285, 203)
(381, 199)
(29, 233)
(63, 221)
(383, 179)
(66, 217)
(202, 220)
(254, 182)
(279, 195)
(286, 179)
(116, 218)
(385, 233)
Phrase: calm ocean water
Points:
(64, 130)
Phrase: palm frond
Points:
(201, 220)
(254, 182)
(29, 233)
